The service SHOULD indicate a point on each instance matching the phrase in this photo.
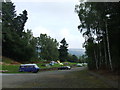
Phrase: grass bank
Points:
(14, 68)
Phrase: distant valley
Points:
(77, 52)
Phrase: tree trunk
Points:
(100, 54)
(99, 48)
(105, 51)
(96, 61)
(108, 46)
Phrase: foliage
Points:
(83, 59)
(16, 43)
(72, 58)
(63, 50)
(48, 47)
(19, 44)
(101, 33)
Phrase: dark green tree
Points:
(8, 15)
(19, 22)
(63, 50)
(17, 43)
(48, 47)
(72, 58)
(102, 30)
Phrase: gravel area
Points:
(75, 78)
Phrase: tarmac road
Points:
(50, 79)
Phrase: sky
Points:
(56, 18)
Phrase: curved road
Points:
(74, 78)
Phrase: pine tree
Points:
(63, 50)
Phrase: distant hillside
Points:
(77, 52)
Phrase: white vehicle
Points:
(85, 64)
(79, 65)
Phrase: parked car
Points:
(85, 64)
(79, 65)
(51, 64)
(29, 68)
(64, 67)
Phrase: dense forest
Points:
(20, 44)
(16, 43)
(100, 26)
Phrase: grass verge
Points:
(15, 68)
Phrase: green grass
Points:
(43, 67)
(15, 68)
(70, 63)
(11, 68)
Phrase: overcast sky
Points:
(56, 19)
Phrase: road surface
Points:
(74, 78)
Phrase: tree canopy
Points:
(63, 50)
(16, 43)
(48, 47)
(100, 27)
